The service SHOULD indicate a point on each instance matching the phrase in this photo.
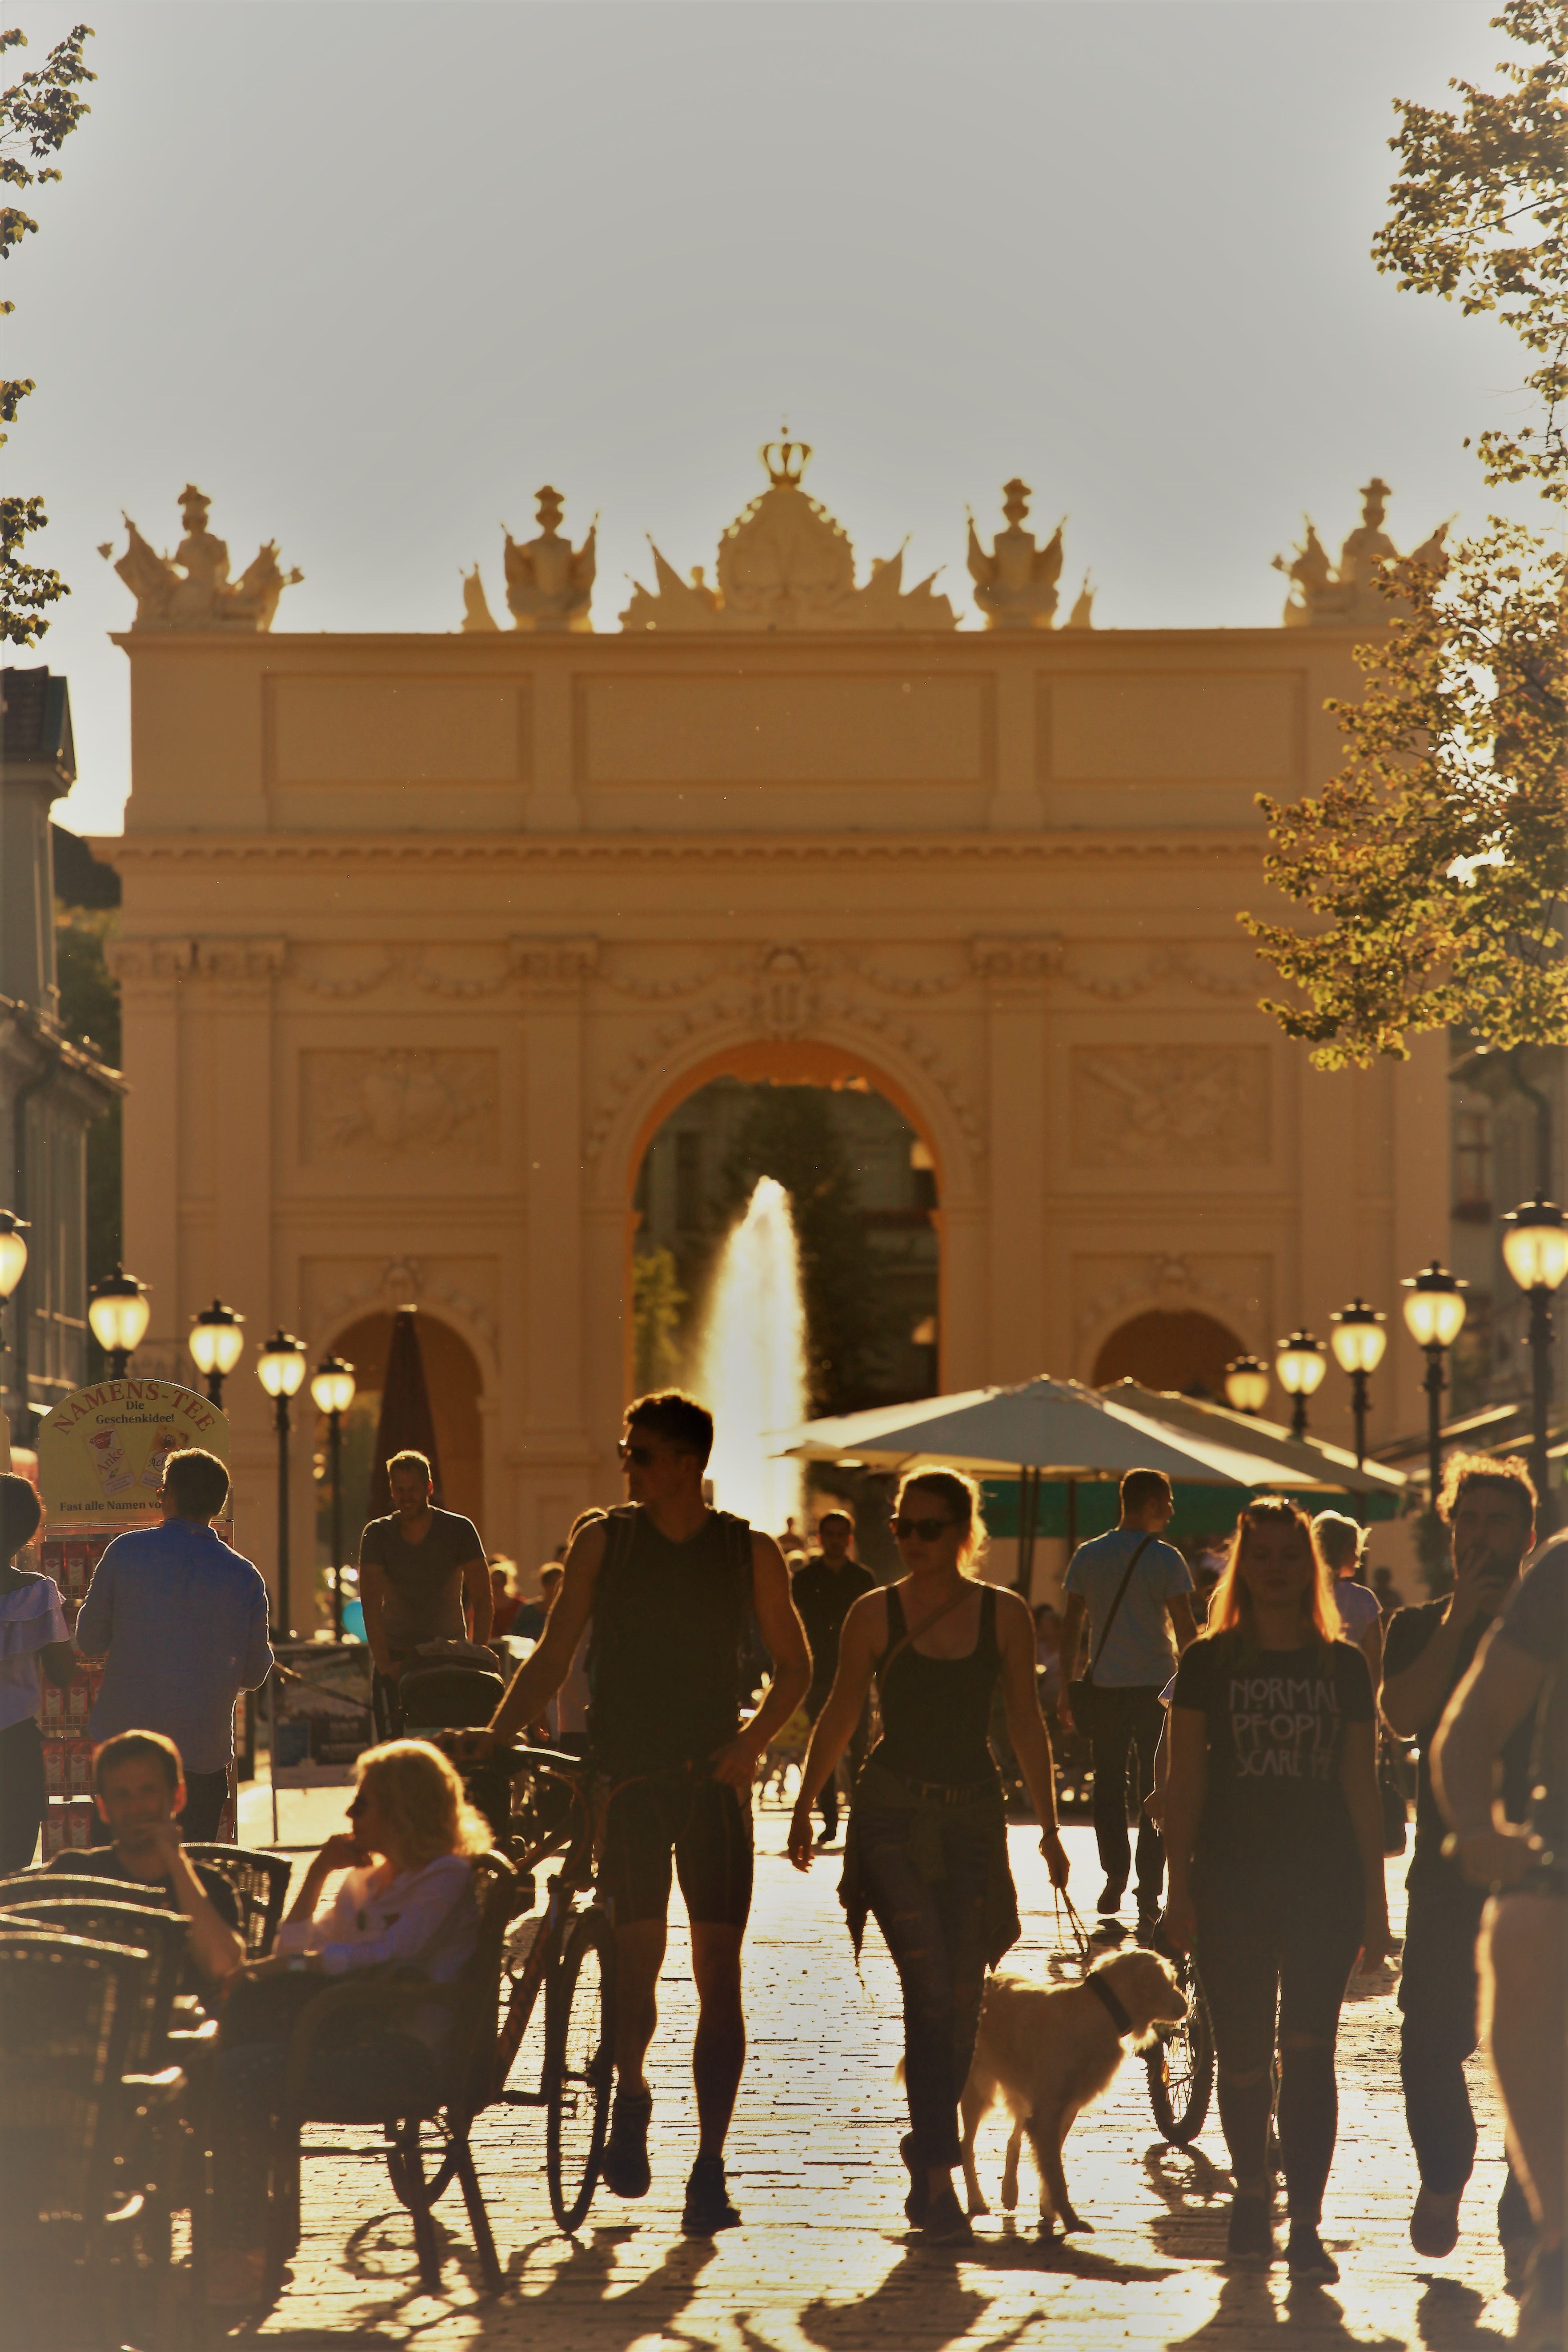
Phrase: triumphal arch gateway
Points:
(425, 934)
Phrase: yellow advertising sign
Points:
(102, 1450)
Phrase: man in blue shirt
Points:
(1132, 1655)
(182, 1621)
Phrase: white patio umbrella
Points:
(1300, 1463)
(1042, 1429)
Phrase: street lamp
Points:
(13, 1265)
(280, 1370)
(1358, 1341)
(1434, 1316)
(332, 1388)
(1246, 1385)
(118, 1311)
(1535, 1250)
(217, 1344)
(1300, 1364)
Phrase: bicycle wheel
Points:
(520, 2055)
(1180, 2071)
(579, 2059)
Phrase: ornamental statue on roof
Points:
(786, 563)
(192, 589)
(1328, 598)
(549, 583)
(1015, 583)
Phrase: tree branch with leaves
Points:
(37, 115)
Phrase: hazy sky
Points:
(369, 275)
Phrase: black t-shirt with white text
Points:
(1276, 1719)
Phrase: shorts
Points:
(700, 1826)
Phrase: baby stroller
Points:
(455, 1692)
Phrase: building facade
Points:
(424, 937)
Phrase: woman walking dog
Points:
(1274, 1840)
(927, 1847)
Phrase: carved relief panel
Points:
(369, 1104)
(1170, 1106)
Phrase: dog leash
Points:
(1063, 1902)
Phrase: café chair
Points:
(261, 1883)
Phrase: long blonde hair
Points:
(962, 1496)
(1230, 1608)
(421, 1795)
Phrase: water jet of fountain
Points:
(751, 1360)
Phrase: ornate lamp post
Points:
(1535, 1250)
(1358, 1341)
(1434, 1316)
(332, 1388)
(1300, 1364)
(13, 1266)
(217, 1344)
(118, 1312)
(280, 1370)
(1246, 1385)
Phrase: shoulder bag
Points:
(1080, 1693)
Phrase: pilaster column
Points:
(552, 806)
(553, 972)
(1015, 803)
(149, 973)
(1013, 974)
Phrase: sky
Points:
(370, 275)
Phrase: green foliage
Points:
(1434, 865)
(656, 1303)
(789, 1134)
(1480, 212)
(37, 115)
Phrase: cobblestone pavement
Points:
(825, 2262)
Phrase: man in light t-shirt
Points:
(1131, 1667)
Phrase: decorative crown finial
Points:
(786, 461)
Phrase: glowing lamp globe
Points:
(1535, 1244)
(13, 1251)
(1435, 1310)
(118, 1311)
(1300, 1364)
(332, 1385)
(282, 1365)
(217, 1340)
(1246, 1385)
(1358, 1337)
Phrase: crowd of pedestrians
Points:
(1242, 1735)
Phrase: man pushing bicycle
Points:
(669, 1587)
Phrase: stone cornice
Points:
(1198, 846)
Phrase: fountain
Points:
(751, 1360)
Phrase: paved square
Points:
(825, 2262)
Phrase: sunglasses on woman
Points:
(925, 1530)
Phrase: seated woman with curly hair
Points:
(408, 1897)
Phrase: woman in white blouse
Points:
(34, 1639)
(409, 1897)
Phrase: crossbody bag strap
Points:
(1120, 1595)
(912, 1633)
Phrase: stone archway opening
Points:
(1179, 1349)
(863, 1185)
(452, 1376)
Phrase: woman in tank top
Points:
(926, 1849)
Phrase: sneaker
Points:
(1110, 1901)
(1251, 2229)
(708, 2209)
(1305, 2255)
(624, 2168)
(918, 2201)
(1434, 2224)
(1541, 2311)
(1148, 1931)
(946, 2224)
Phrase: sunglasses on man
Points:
(631, 1452)
(922, 1530)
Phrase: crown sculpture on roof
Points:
(1327, 598)
(1015, 583)
(549, 583)
(192, 589)
(786, 563)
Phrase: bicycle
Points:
(1181, 2064)
(572, 1954)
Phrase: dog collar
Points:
(1110, 2003)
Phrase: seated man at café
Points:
(408, 1896)
(139, 1783)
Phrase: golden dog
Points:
(1044, 2052)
